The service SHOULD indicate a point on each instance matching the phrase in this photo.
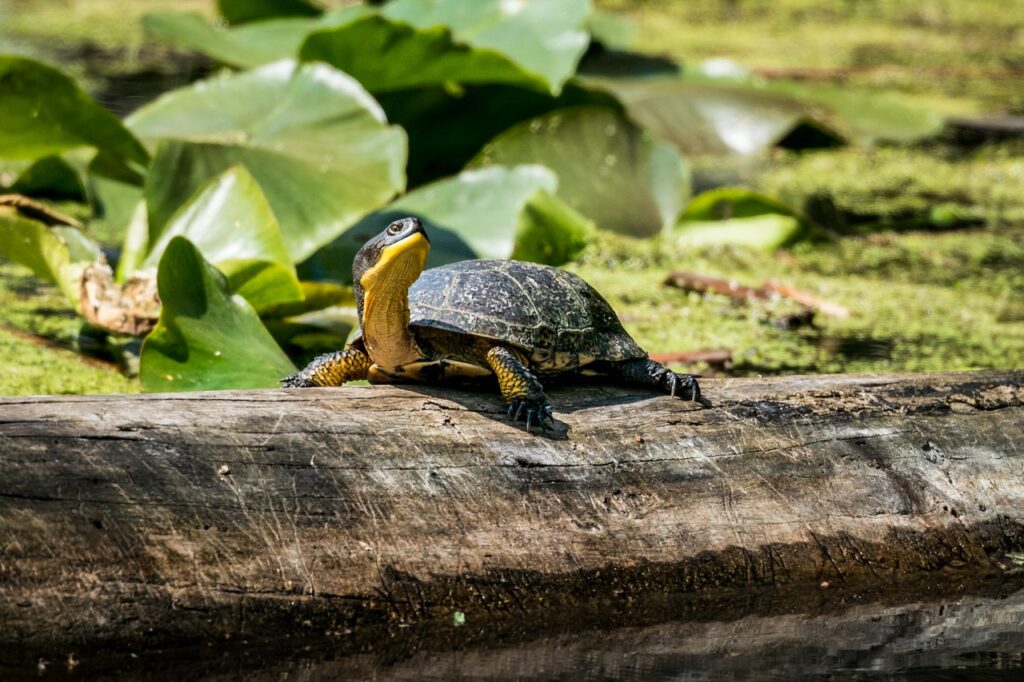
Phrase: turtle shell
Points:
(552, 315)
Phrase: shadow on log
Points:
(191, 517)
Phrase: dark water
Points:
(845, 637)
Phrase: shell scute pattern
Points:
(559, 319)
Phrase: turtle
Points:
(479, 319)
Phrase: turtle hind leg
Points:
(519, 387)
(647, 372)
(331, 369)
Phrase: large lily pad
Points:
(700, 116)
(610, 170)
(228, 219)
(738, 216)
(43, 112)
(249, 45)
(744, 116)
(494, 212)
(866, 117)
(315, 141)
(207, 337)
(244, 47)
(544, 37)
(232, 225)
(448, 128)
(378, 51)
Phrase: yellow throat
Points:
(386, 285)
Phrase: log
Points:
(185, 517)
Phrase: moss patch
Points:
(39, 342)
(921, 302)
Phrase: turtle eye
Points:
(395, 228)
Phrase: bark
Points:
(191, 516)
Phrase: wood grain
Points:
(190, 516)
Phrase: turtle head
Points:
(393, 259)
(382, 273)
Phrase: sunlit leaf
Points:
(544, 37)
(378, 52)
(745, 116)
(768, 232)
(241, 11)
(724, 203)
(43, 112)
(232, 225)
(228, 219)
(700, 116)
(207, 337)
(261, 43)
(136, 243)
(317, 144)
(487, 213)
(264, 284)
(737, 216)
(248, 45)
(609, 170)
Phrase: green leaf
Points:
(733, 215)
(377, 52)
(724, 203)
(207, 337)
(315, 296)
(447, 129)
(56, 254)
(866, 117)
(549, 231)
(543, 37)
(608, 169)
(114, 205)
(232, 225)
(316, 143)
(241, 11)
(43, 112)
(248, 45)
(490, 213)
(227, 219)
(135, 245)
(50, 177)
(767, 232)
(702, 116)
(264, 284)
(263, 44)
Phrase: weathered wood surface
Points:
(225, 514)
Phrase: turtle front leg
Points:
(330, 369)
(647, 372)
(519, 387)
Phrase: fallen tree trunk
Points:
(185, 516)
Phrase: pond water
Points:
(845, 637)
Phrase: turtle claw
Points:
(685, 385)
(537, 412)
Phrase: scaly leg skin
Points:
(519, 387)
(330, 369)
(646, 372)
